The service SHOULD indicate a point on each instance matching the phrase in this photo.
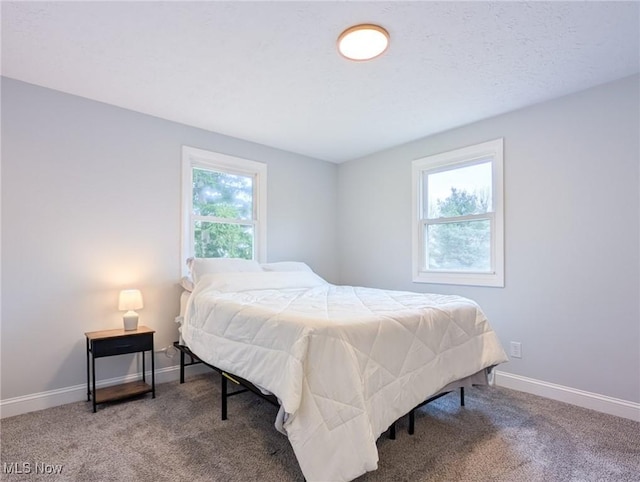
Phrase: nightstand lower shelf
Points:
(122, 391)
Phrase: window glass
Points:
(462, 246)
(458, 192)
(223, 240)
(222, 195)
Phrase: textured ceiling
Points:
(269, 72)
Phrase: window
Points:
(223, 206)
(458, 222)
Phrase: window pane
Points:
(458, 192)
(464, 246)
(223, 240)
(222, 195)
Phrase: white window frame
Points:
(200, 158)
(491, 150)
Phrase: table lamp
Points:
(129, 301)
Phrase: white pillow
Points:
(201, 266)
(286, 266)
(238, 282)
(187, 283)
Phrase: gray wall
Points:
(572, 268)
(91, 204)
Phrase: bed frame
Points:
(248, 386)
(224, 378)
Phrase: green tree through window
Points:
(223, 210)
(460, 245)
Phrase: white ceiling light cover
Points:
(363, 42)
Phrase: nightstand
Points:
(119, 342)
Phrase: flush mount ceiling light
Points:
(363, 42)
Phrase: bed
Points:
(343, 362)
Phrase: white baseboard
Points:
(593, 401)
(77, 393)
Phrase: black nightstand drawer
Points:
(122, 345)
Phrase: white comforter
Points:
(345, 362)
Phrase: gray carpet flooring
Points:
(501, 435)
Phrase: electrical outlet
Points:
(516, 349)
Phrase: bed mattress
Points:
(345, 362)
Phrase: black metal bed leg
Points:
(462, 396)
(181, 366)
(223, 398)
(412, 422)
(392, 431)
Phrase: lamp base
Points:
(130, 320)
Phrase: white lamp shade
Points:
(130, 300)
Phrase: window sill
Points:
(464, 279)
